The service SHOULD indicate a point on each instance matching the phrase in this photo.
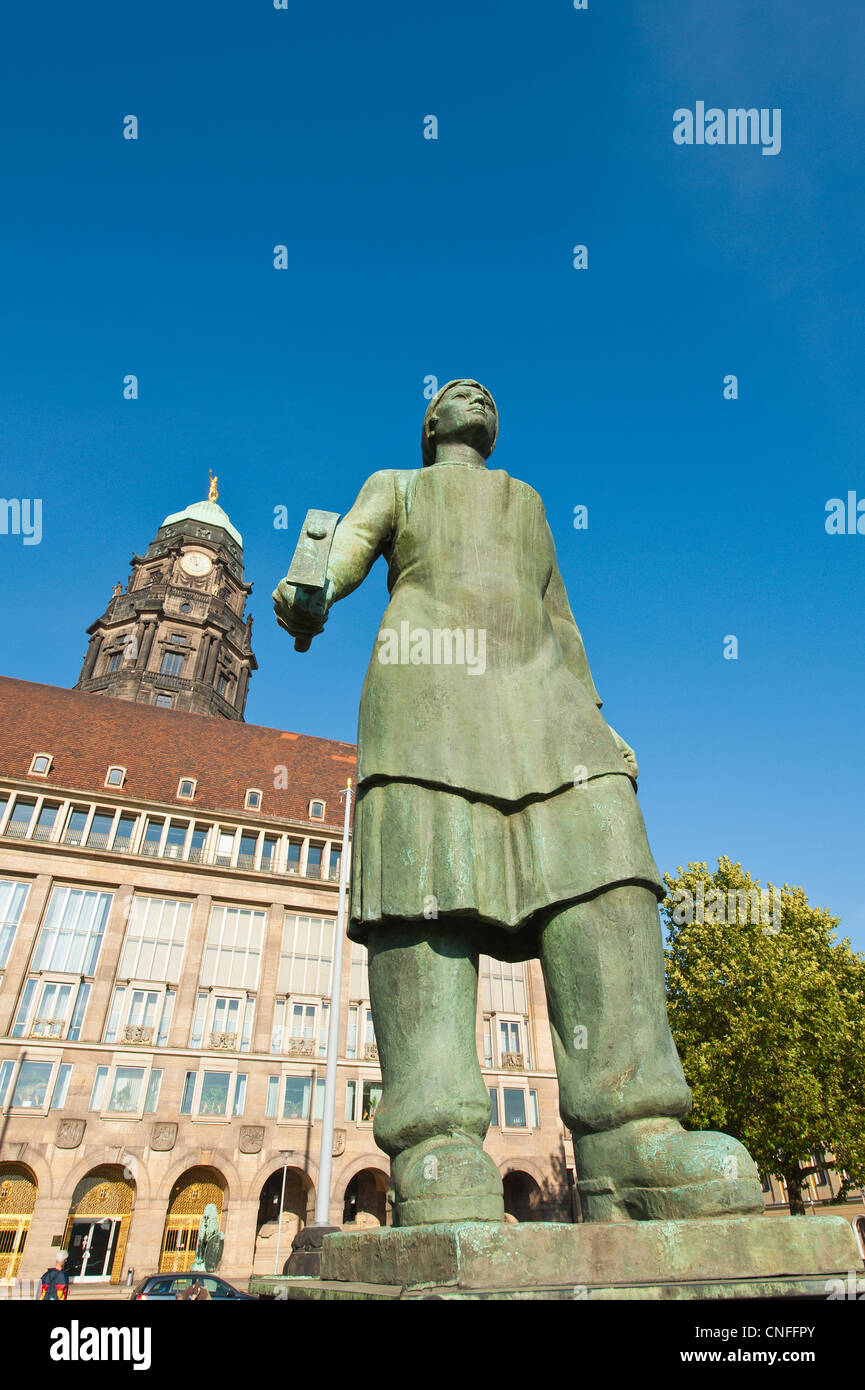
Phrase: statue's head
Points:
(462, 412)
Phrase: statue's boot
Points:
(654, 1170)
(446, 1178)
(435, 1108)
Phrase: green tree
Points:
(769, 1019)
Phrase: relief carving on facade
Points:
(251, 1139)
(163, 1137)
(69, 1133)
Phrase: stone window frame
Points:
(136, 1061)
(509, 1083)
(180, 794)
(48, 1056)
(32, 771)
(247, 1002)
(317, 801)
(127, 988)
(253, 791)
(22, 1028)
(232, 1068)
(114, 786)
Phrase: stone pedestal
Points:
(725, 1257)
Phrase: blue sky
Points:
(413, 257)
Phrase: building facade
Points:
(168, 892)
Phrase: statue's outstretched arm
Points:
(362, 535)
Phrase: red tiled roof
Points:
(87, 733)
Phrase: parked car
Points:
(166, 1287)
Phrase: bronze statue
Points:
(497, 813)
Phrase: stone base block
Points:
(724, 1257)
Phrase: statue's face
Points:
(466, 415)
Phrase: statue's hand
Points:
(627, 752)
(300, 610)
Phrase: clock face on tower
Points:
(195, 562)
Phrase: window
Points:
(175, 839)
(163, 700)
(152, 836)
(178, 637)
(534, 1120)
(232, 951)
(335, 858)
(99, 833)
(306, 957)
(155, 940)
(359, 984)
(370, 1099)
(140, 1016)
(126, 1090)
(223, 1021)
(46, 821)
(72, 932)
(253, 799)
(40, 764)
(488, 1041)
(213, 1094)
(503, 987)
(6, 1070)
(55, 1016)
(313, 861)
(186, 607)
(115, 777)
(98, 1088)
(198, 843)
(360, 1015)
(186, 787)
(246, 853)
(75, 825)
(61, 1086)
(124, 833)
(224, 848)
(350, 1099)
(494, 1097)
(151, 1100)
(19, 821)
(272, 1100)
(318, 1103)
(171, 664)
(316, 810)
(114, 663)
(13, 896)
(515, 1108)
(509, 1039)
(295, 1105)
(221, 684)
(268, 852)
(31, 1087)
(292, 858)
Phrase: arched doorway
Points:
(297, 1205)
(523, 1198)
(191, 1193)
(18, 1192)
(97, 1226)
(365, 1200)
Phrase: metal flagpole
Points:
(325, 1164)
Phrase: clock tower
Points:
(177, 636)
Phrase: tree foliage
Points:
(769, 1020)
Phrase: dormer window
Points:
(40, 764)
(253, 799)
(316, 810)
(186, 788)
(115, 777)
